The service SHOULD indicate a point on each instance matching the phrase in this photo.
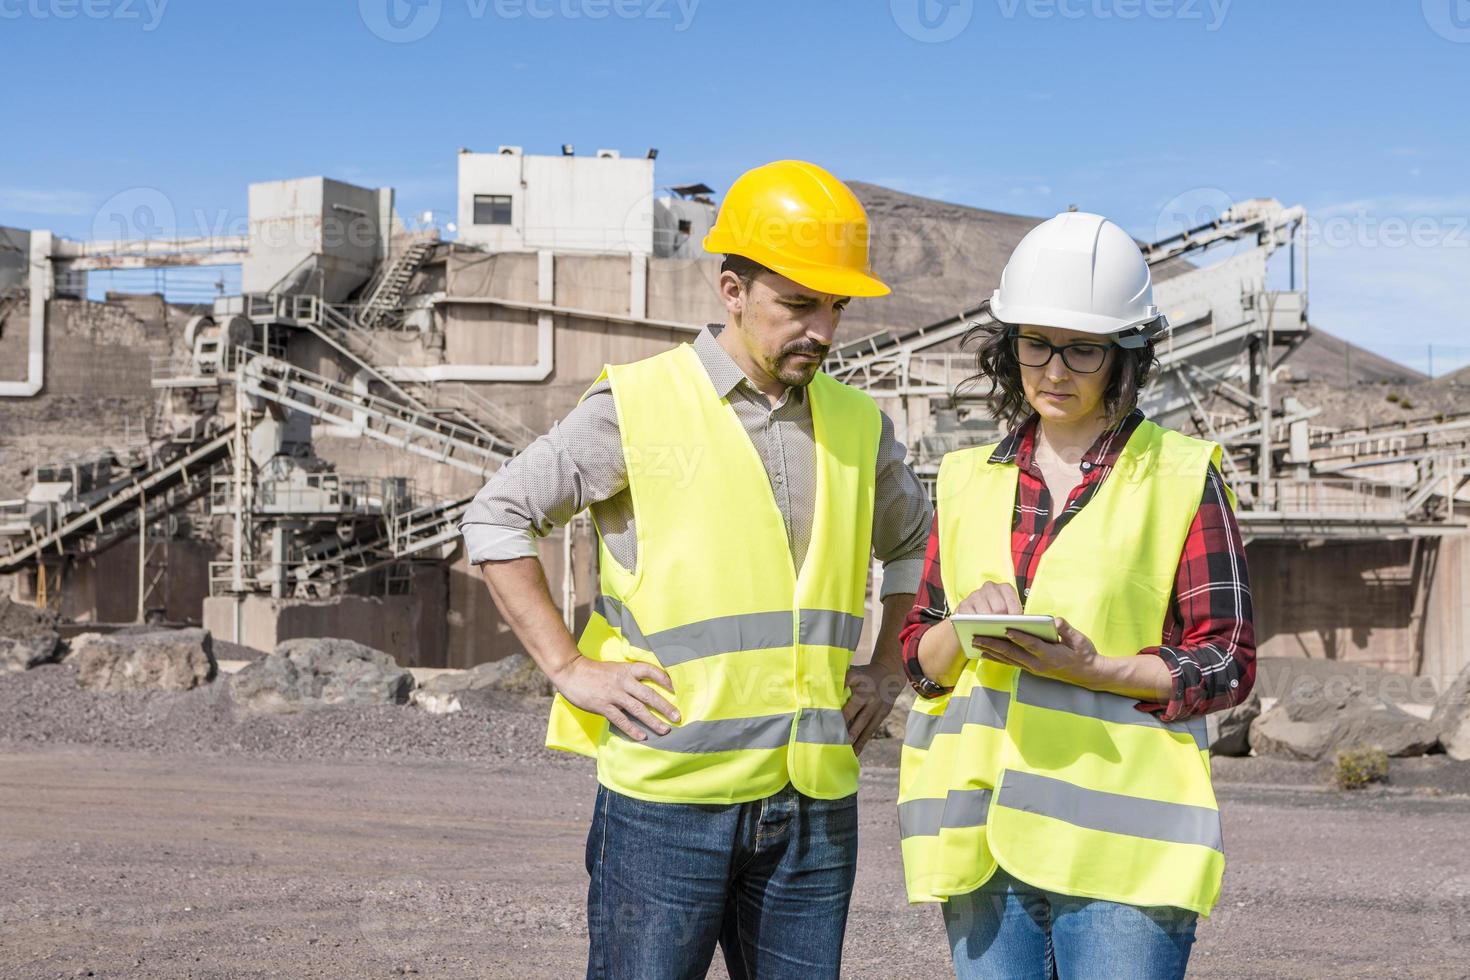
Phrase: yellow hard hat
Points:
(799, 221)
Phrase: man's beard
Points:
(798, 374)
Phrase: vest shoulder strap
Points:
(843, 400)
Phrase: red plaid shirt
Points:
(1209, 641)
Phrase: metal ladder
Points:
(385, 299)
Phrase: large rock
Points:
(516, 674)
(162, 660)
(27, 636)
(19, 619)
(437, 702)
(1317, 718)
(274, 685)
(1230, 729)
(307, 673)
(23, 653)
(1451, 717)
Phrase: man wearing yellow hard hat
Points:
(738, 494)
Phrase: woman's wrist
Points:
(1098, 673)
(1144, 678)
(940, 655)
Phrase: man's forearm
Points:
(887, 651)
(518, 588)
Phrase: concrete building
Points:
(513, 201)
(681, 219)
(315, 235)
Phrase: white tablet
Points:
(970, 625)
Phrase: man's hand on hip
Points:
(874, 689)
(618, 692)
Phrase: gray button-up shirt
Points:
(580, 463)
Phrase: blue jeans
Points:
(1007, 930)
(767, 881)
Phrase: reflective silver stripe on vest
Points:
(830, 628)
(823, 725)
(723, 634)
(961, 808)
(1043, 692)
(724, 735)
(982, 706)
(617, 616)
(1175, 823)
(728, 634)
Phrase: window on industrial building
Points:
(492, 209)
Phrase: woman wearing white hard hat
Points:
(1055, 787)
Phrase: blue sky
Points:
(1356, 109)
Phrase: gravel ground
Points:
(44, 705)
(166, 835)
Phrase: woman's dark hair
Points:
(995, 361)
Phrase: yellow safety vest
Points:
(757, 654)
(1070, 790)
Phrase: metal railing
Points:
(406, 427)
(465, 406)
(260, 575)
(1325, 498)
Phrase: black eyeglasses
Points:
(1081, 358)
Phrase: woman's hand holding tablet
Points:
(967, 626)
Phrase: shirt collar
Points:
(1019, 446)
(724, 374)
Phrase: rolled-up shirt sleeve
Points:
(930, 608)
(578, 463)
(901, 516)
(1212, 656)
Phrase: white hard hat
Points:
(1079, 271)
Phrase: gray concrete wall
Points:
(1356, 602)
(401, 625)
(1447, 623)
(104, 587)
(686, 290)
(93, 351)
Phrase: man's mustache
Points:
(816, 350)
